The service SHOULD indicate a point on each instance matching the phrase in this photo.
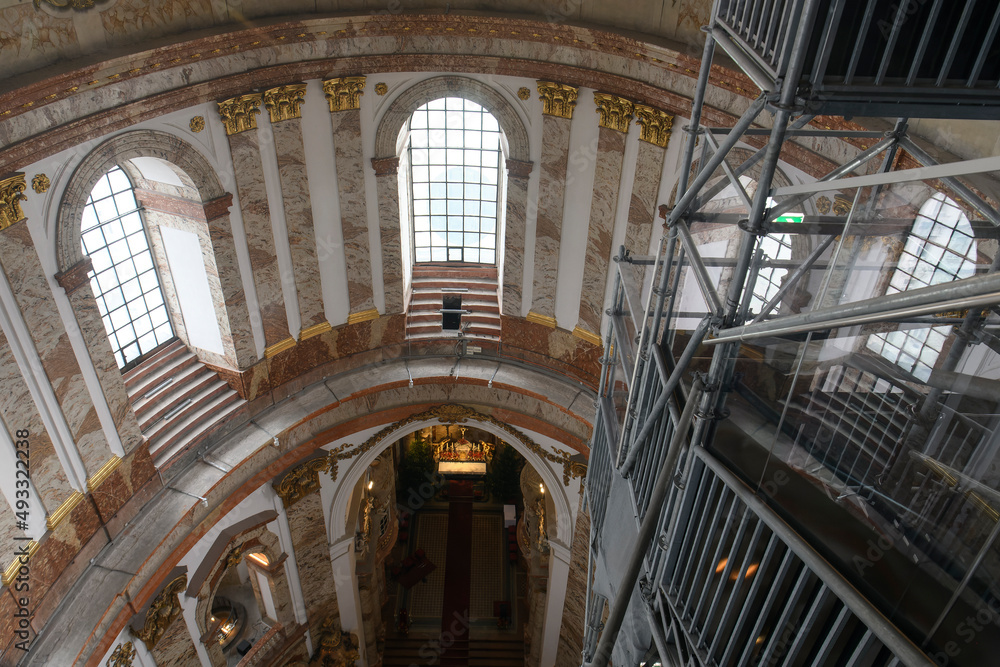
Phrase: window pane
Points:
(118, 289)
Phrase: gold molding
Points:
(55, 518)
(123, 656)
(544, 320)
(235, 555)
(381, 88)
(842, 205)
(11, 196)
(363, 316)
(197, 124)
(161, 613)
(344, 93)
(615, 111)
(523, 93)
(279, 347)
(655, 125)
(239, 113)
(452, 413)
(592, 338)
(558, 99)
(301, 481)
(102, 474)
(11, 571)
(314, 330)
(285, 102)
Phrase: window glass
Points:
(124, 280)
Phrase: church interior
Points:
(556, 333)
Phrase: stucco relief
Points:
(141, 18)
(33, 37)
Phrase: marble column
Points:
(344, 97)
(220, 232)
(18, 413)
(557, 111)
(348, 599)
(239, 114)
(615, 116)
(387, 189)
(284, 107)
(518, 173)
(654, 133)
(27, 281)
(76, 283)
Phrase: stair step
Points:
(187, 388)
(198, 426)
(136, 379)
(206, 392)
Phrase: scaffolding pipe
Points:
(700, 272)
(966, 293)
(668, 389)
(960, 188)
(699, 98)
(793, 278)
(647, 529)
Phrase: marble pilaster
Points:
(37, 304)
(548, 228)
(513, 263)
(220, 231)
(387, 189)
(312, 555)
(247, 164)
(353, 207)
(299, 219)
(88, 318)
(574, 610)
(176, 647)
(18, 412)
(642, 206)
(607, 180)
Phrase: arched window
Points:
(775, 246)
(939, 249)
(454, 153)
(124, 280)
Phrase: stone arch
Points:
(535, 454)
(141, 143)
(434, 88)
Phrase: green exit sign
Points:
(791, 217)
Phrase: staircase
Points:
(416, 651)
(477, 287)
(178, 402)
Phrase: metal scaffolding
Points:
(657, 417)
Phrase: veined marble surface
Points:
(548, 228)
(642, 207)
(220, 231)
(513, 261)
(392, 260)
(260, 237)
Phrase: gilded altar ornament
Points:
(11, 196)
(523, 93)
(40, 183)
(557, 99)
(239, 114)
(655, 125)
(197, 124)
(123, 656)
(615, 112)
(334, 648)
(301, 481)
(162, 611)
(285, 102)
(344, 93)
(381, 89)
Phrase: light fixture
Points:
(541, 487)
(721, 566)
(259, 558)
(371, 483)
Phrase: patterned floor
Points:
(488, 564)
(432, 537)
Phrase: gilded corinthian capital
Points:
(162, 612)
(557, 99)
(285, 102)
(239, 114)
(345, 92)
(655, 125)
(616, 112)
(11, 196)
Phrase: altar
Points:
(462, 458)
